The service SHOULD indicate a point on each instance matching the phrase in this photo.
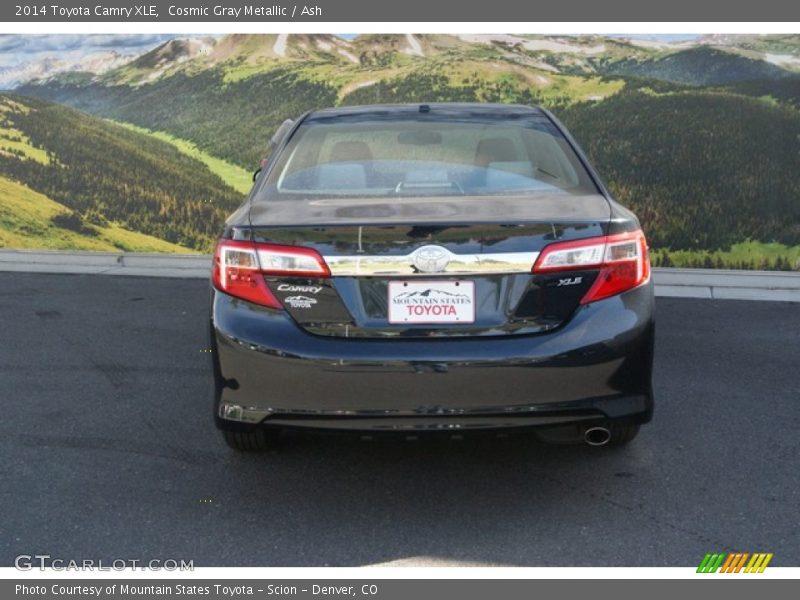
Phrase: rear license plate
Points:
(431, 301)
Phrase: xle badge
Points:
(569, 281)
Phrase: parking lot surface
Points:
(109, 452)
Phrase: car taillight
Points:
(621, 258)
(240, 267)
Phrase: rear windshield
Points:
(402, 157)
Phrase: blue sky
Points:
(18, 49)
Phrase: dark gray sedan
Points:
(431, 267)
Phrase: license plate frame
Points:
(447, 302)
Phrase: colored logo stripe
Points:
(710, 563)
(734, 562)
(758, 563)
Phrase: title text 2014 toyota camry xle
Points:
(449, 267)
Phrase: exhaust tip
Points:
(597, 436)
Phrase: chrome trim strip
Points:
(458, 264)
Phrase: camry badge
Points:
(431, 259)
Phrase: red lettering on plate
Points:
(431, 309)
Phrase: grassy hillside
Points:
(110, 176)
(236, 177)
(29, 219)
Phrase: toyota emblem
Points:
(431, 259)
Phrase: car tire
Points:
(622, 434)
(256, 440)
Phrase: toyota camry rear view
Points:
(447, 267)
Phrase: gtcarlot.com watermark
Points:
(29, 562)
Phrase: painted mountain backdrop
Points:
(701, 138)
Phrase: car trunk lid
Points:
(431, 267)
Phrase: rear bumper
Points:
(269, 371)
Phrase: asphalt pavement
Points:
(109, 452)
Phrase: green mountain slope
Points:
(699, 66)
(109, 175)
(704, 166)
(785, 91)
(215, 93)
(233, 121)
(701, 169)
(31, 220)
(236, 177)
